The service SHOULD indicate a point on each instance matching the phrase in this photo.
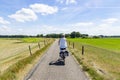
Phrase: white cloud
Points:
(71, 2)
(50, 29)
(108, 26)
(20, 30)
(67, 2)
(81, 24)
(110, 20)
(2, 21)
(82, 27)
(44, 9)
(93, 3)
(5, 28)
(24, 15)
(104, 30)
(65, 8)
(28, 14)
(44, 29)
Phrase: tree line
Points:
(52, 35)
(69, 35)
(73, 34)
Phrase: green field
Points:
(112, 44)
(31, 40)
(101, 54)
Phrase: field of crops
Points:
(15, 57)
(101, 54)
(13, 50)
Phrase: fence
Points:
(96, 57)
(44, 42)
(72, 44)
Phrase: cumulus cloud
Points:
(2, 21)
(44, 9)
(24, 15)
(110, 20)
(29, 14)
(5, 28)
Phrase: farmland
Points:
(102, 55)
(16, 60)
(13, 50)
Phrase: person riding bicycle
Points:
(63, 43)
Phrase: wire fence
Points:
(103, 60)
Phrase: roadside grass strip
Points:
(91, 71)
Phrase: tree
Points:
(39, 35)
(72, 35)
(84, 35)
(96, 37)
(67, 35)
(75, 34)
(53, 35)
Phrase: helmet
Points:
(62, 35)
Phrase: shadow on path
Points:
(59, 62)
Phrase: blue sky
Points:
(31, 17)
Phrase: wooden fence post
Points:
(82, 50)
(47, 42)
(39, 45)
(69, 42)
(44, 42)
(30, 50)
(73, 45)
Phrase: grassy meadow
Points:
(31, 40)
(13, 50)
(101, 55)
(112, 44)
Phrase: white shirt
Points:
(63, 43)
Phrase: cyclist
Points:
(62, 42)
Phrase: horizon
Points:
(24, 17)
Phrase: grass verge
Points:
(91, 71)
(10, 73)
(93, 74)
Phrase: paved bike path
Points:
(44, 71)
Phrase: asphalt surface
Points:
(50, 67)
